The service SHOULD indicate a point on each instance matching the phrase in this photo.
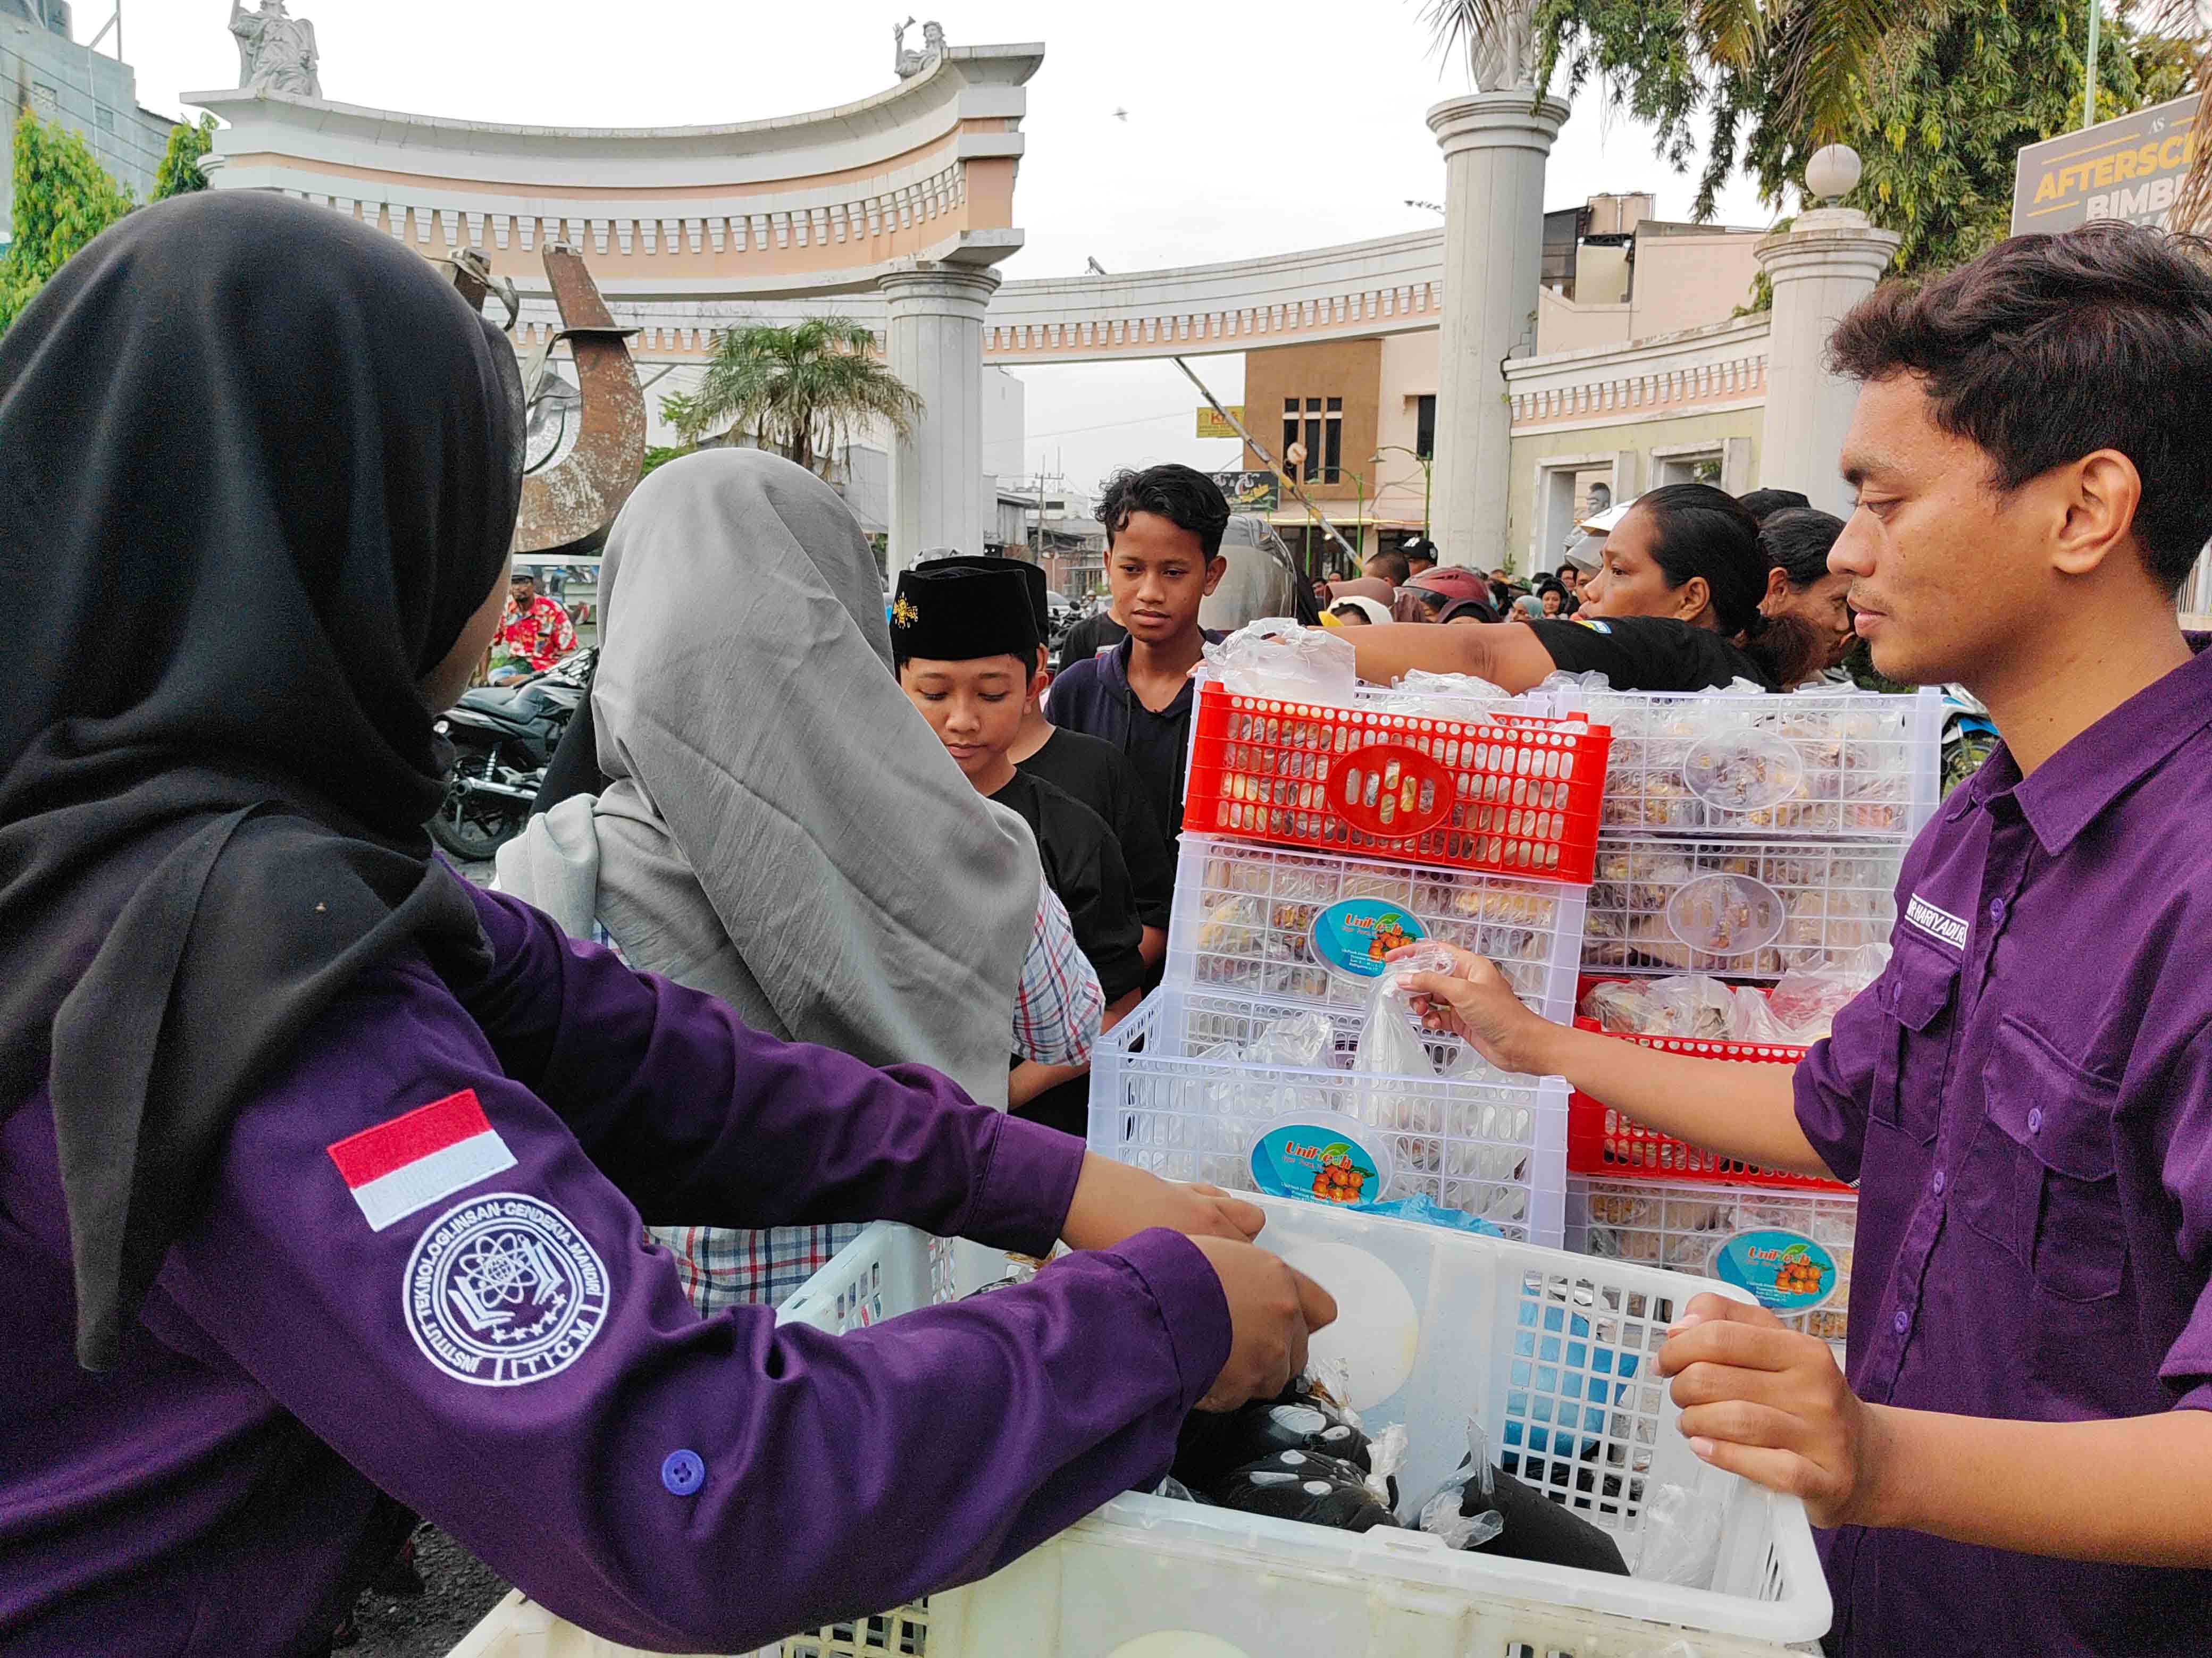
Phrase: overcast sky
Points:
(1250, 129)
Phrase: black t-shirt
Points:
(1647, 652)
(1095, 633)
(1083, 864)
(1099, 775)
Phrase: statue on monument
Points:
(911, 64)
(1497, 36)
(276, 51)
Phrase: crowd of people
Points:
(334, 1191)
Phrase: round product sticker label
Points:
(1787, 1272)
(1322, 1164)
(1354, 936)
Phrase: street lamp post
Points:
(1425, 463)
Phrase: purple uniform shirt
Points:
(2025, 1098)
(510, 1356)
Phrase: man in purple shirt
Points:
(2021, 1458)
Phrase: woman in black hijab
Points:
(323, 1174)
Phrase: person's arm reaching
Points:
(412, 1254)
(1745, 1111)
(1767, 1402)
(1505, 653)
(1029, 1079)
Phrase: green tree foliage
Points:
(63, 199)
(796, 389)
(1937, 99)
(659, 454)
(181, 172)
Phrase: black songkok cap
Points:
(1030, 574)
(956, 614)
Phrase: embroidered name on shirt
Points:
(1938, 924)
(426, 1154)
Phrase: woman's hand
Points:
(1114, 1201)
(1473, 1001)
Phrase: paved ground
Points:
(459, 1590)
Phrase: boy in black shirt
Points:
(1094, 773)
(965, 642)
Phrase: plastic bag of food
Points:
(1805, 1003)
(1681, 1538)
(1485, 1509)
(1276, 657)
(1462, 1512)
(1304, 1041)
(1693, 1004)
(1624, 1008)
(1444, 696)
(1314, 1489)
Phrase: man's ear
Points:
(1777, 585)
(2100, 494)
(1692, 598)
(1216, 568)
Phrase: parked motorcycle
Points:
(504, 737)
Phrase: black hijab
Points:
(258, 465)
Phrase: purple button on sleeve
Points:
(1938, 1182)
(1902, 1322)
(2035, 1119)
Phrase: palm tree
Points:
(798, 389)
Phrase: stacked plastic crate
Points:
(1744, 837)
(1316, 839)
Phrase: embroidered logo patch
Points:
(1593, 625)
(1938, 924)
(502, 1290)
(426, 1154)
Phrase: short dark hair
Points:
(2046, 349)
(1396, 568)
(1184, 496)
(1798, 541)
(1764, 504)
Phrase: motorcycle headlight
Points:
(443, 727)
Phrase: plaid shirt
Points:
(1056, 1013)
(1059, 1004)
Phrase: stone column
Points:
(1495, 145)
(935, 332)
(1824, 263)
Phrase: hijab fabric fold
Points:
(258, 465)
(779, 828)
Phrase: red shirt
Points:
(539, 633)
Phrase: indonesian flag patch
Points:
(429, 1153)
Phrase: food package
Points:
(1304, 1417)
(1485, 1510)
(1277, 659)
(1443, 697)
(1314, 1489)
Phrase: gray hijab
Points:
(780, 829)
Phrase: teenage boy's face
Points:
(973, 707)
(1946, 574)
(1158, 573)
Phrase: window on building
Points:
(1317, 423)
(105, 117)
(44, 98)
(1424, 427)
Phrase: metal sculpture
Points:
(586, 445)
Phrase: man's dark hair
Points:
(1184, 496)
(1797, 541)
(1392, 566)
(1764, 504)
(2046, 349)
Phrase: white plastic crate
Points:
(1740, 906)
(1550, 1351)
(1679, 1226)
(1247, 915)
(1169, 1093)
(1832, 763)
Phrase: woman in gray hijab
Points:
(779, 827)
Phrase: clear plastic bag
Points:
(1443, 697)
(1693, 1004)
(1681, 1538)
(1441, 1515)
(1276, 657)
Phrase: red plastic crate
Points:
(1603, 1141)
(1516, 794)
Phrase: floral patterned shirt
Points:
(539, 633)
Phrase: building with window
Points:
(43, 69)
